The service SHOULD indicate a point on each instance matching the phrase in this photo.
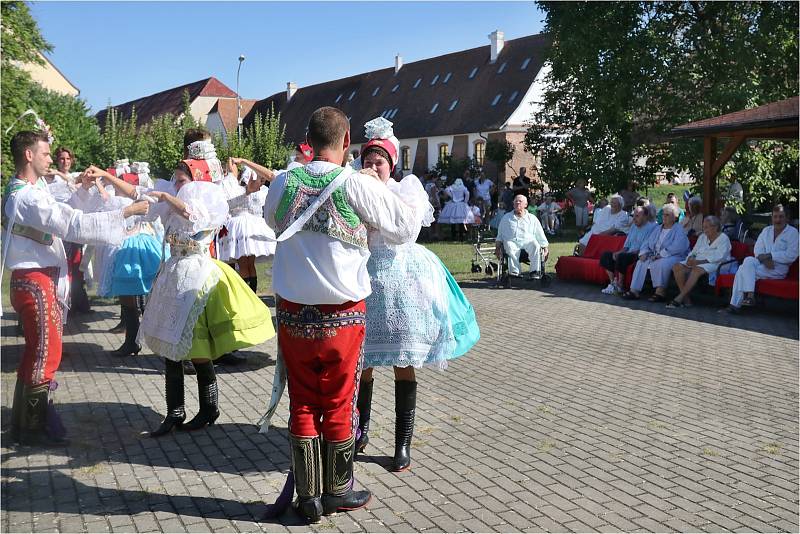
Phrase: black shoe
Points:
(188, 367)
(253, 283)
(120, 327)
(364, 405)
(405, 402)
(130, 347)
(209, 398)
(306, 457)
(338, 494)
(39, 424)
(173, 391)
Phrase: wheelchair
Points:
(504, 277)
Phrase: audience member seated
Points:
(671, 199)
(731, 223)
(711, 249)
(548, 211)
(616, 263)
(693, 222)
(666, 246)
(608, 221)
(521, 230)
(775, 250)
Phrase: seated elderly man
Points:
(712, 249)
(616, 263)
(665, 246)
(608, 221)
(520, 230)
(775, 250)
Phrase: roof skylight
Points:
(502, 67)
(473, 73)
(513, 96)
(435, 107)
(435, 79)
(375, 92)
(416, 84)
(351, 95)
(395, 88)
(525, 63)
(497, 99)
(339, 97)
(453, 105)
(447, 77)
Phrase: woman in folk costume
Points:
(128, 271)
(199, 308)
(416, 315)
(457, 211)
(247, 236)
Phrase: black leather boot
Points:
(253, 283)
(16, 411)
(39, 423)
(307, 468)
(209, 397)
(173, 385)
(364, 405)
(131, 319)
(405, 403)
(120, 327)
(338, 494)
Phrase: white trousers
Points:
(660, 271)
(749, 271)
(513, 249)
(581, 217)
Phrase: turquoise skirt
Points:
(136, 265)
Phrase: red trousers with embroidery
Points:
(322, 348)
(33, 296)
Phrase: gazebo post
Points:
(709, 178)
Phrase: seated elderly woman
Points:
(712, 248)
(616, 263)
(608, 221)
(693, 221)
(666, 246)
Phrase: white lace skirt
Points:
(456, 213)
(246, 236)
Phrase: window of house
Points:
(395, 88)
(480, 151)
(502, 67)
(447, 77)
(435, 79)
(416, 84)
(473, 73)
(351, 95)
(453, 105)
(444, 151)
(405, 158)
(525, 63)
(497, 99)
(375, 92)
(393, 113)
(435, 107)
(339, 97)
(513, 96)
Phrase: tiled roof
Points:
(169, 101)
(455, 93)
(227, 110)
(781, 113)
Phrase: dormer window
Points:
(453, 105)
(351, 96)
(393, 113)
(435, 79)
(375, 92)
(447, 77)
(513, 96)
(416, 84)
(339, 97)
(395, 88)
(435, 107)
(502, 67)
(525, 63)
(473, 72)
(497, 99)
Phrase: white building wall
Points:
(215, 125)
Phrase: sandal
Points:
(748, 301)
(673, 304)
(628, 295)
(657, 298)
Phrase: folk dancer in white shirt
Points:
(320, 279)
(520, 230)
(34, 250)
(775, 250)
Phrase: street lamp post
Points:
(238, 103)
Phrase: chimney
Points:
(398, 63)
(498, 42)
(291, 89)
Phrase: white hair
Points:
(696, 201)
(671, 208)
(618, 198)
(713, 219)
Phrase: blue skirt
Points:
(416, 315)
(136, 264)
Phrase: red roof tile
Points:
(227, 111)
(781, 113)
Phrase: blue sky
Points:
(118, 51)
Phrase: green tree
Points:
(625, 73)
(267, 136)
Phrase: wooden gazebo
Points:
(778, 120)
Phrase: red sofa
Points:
(587, 267)
(788, 288)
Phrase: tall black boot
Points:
(16, 411)
(209, 397)
(253, 283)
(405, 403)
(338, 494)
(307, 468)
(120, 327)
(131, 319)
(173, 386)
(39, 423)
(364, 405)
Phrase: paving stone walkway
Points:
(575, 412)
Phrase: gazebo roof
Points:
(774, 120)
